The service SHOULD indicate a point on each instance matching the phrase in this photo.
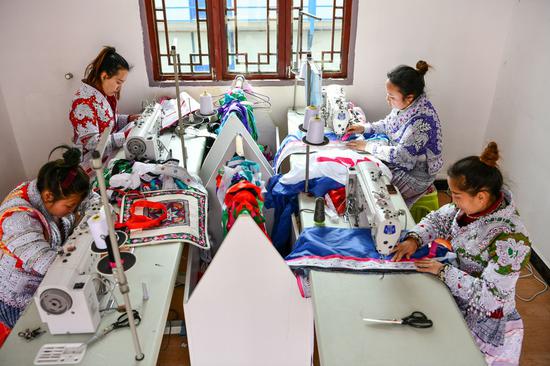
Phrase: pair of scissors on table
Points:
(417, 320)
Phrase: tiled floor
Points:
(535, 314)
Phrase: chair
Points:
(427, 203)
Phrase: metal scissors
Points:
(417, 320)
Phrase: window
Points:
(218, 39)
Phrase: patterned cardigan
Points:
(29, 237)
(491, 251)
(90, 114)
(414, 151)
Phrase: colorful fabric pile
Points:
(235, 101)
(239, 190)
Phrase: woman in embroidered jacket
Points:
(492, 246)
(413, 152)
(94, 106)
(35, 219)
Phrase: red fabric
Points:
(349, 162)
(4, 333)
(338, 199)
(141, 221)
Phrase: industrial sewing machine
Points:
(368, 204)
(67, 298)
(143, 142)
(336, 111)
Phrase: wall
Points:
(519, 117)
(463, 40)
(10, 160)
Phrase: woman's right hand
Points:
(356, 128)
(404, 249)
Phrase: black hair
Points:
(108, 61)
(409, 80)
(64, 177)
(479, 173)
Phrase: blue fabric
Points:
(357, 243)
(284, 199)
(9, 314)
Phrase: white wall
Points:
(519, 120)
(462, 39)
(10, 160)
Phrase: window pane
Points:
(251, 27)
(322, 37)
(184, 20)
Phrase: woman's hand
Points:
(429, 266)
(404, 249)
(358, 145)
(356, 128)
(133, 117)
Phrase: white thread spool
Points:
(315, 131)
(207, 107)
(98, 227)
(310, 112)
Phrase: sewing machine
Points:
(143, 141)
(336, 112)
(67, 296)
(368, 204)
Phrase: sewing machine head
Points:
(336, 111)
(369, 205)
(143, 142)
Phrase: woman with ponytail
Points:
(35, 219)
(492, 246)
(413, 152)
(94, 106)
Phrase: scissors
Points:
(417, 320)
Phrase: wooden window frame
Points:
(217, 44)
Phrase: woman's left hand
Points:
(358, 145)
(133, 117)
(428, 266)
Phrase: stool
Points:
(425, 204)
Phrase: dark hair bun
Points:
(422, 67)
(72, 156)
(490, 154)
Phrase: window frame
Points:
(218, 45)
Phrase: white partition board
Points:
(247, 309)
(224, 149)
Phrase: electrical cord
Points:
(530, 273)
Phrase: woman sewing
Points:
(35, 219)
(413, 152)
(492, 246)
(94, 106)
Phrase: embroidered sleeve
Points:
(24, 237)
(437, 224)
(121, 121)
(414, 141)
(494, 288)
(86, 119)
(376, 127)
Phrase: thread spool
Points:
(316, 131)
(206, 105)
(319, 213)
(310, 112)
(98, 227)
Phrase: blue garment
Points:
(9, 314)
(284, 198)
(345, 243)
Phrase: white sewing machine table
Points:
(340, 300)
(156, 265)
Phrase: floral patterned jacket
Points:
(91, 113)
(415, 138)
(490, 251)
